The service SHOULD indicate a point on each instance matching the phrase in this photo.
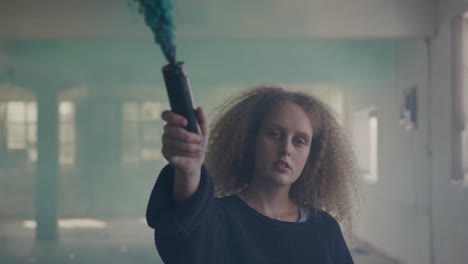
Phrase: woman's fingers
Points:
(181, 134)
(182, 147)
(171, 153)
(178, 142)
(174, 119)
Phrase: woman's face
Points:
(283, 145)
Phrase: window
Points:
(141, 131)
(3, 126)
(67, 132)
(20, 121)
(365, 142)
(19, 129)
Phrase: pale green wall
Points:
(109, 68)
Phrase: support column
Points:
(47, 165)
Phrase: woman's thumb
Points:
(202, 121)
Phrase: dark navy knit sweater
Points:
(226, 230)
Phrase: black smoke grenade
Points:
(158, 16)
(180, 94)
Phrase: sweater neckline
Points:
(266, 218)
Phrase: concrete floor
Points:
(121, 242)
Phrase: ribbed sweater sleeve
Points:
(174, 225)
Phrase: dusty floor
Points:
(121, 242)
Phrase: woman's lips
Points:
(281, 166)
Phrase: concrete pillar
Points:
(47, 165)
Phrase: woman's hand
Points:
(185, 151)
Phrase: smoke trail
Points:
(158, 16)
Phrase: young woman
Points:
(277, 168)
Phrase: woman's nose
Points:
(286, 148)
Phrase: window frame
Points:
(459, 60)
(364, 120)
(140, 123)
(29, 125)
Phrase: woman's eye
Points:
(300, 141)
(274, 134)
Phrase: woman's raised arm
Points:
(185, 151)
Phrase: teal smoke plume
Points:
(158, 16)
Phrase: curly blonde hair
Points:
(328, 181)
